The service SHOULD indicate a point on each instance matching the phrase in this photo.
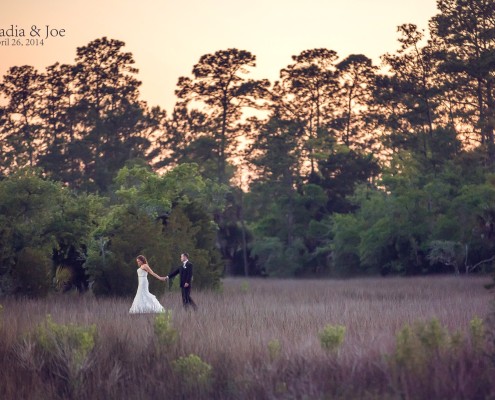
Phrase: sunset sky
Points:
(167, 37)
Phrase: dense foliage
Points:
(342, 168)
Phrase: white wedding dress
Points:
(144, 302)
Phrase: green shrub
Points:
(416, 347)
(332, 336)
(166, 335)
(274, 349)
(72, 343)
(432, 335)
(476, 334)
(405, 345)
(195, 373)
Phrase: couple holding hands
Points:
(145, 302)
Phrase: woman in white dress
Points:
(145, 302)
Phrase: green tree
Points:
(234, 235)
(28, 205)
(123, 234)
(185, 136)
(346, 229)
(73, 224)
(220, 86)
(356, 76)
(277, 156)
(339, 173)
(287, 215)
(189, 229)
(57, 111)
(464, 33)
(44, 227)
(21, 128)
(414, 100)
(114, 124)
(160, 217)
(306, 95)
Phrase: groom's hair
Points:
(185, 254)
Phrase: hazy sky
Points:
(167, 37)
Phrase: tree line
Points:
(339, 167)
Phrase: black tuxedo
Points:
(186, 273)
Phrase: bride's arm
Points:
(149, 270)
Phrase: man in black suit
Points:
(186, 273)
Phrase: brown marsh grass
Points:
(232, 331)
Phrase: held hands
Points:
(164, 278)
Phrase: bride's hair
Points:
(142, 259)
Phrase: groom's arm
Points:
(172, 274)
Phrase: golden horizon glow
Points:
(168, 37)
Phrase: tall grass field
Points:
(370, 338)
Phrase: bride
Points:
(145, 302)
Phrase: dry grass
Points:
(231, 332)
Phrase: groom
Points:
(186, 272)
